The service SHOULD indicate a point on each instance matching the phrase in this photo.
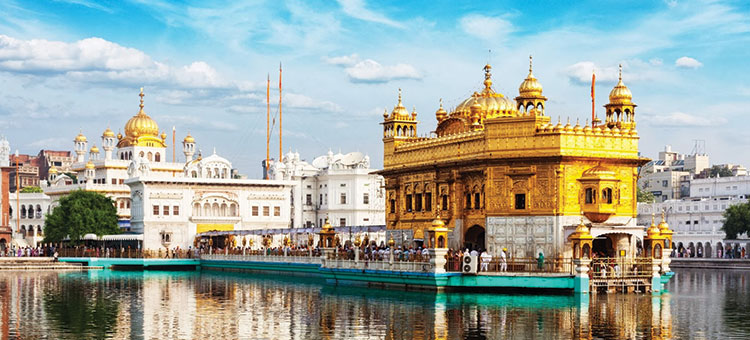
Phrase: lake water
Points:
(105, 304)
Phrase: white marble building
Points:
(172, 211)
(340, 186)
(29, 229)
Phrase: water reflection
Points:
(191, 305)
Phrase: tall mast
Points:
(18, 197)
(280, 139)
(593, 104)
(268, 124)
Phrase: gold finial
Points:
(652, 219)
(441, 103)
(399, 96)
(662, 215)
(530, 60)
(587, 122)
(487, 77)
(141, 95)
(385, 113)
(620, 74)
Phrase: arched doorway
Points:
(602, 247)
(2, 244)
(474, 238)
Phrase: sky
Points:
(77, 65)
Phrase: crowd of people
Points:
(38, 251)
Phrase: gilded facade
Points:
(504, 175)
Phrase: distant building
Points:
(172, 211)
(669, 176)
(32, 170)
(696, 222)
(32, 208)
(338, 186)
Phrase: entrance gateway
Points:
(474, 238)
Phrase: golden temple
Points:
(503, 175)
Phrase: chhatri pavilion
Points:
(504, 175)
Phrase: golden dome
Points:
(163, 135)
(52, 170)
(440, 114)
(90, 165)
(653, 231)
(492, 104)
(530, 87)
(80, 138)
(94, 149)
(581, 232)
(437, 222)
(620, 94)
(399, 111)
(108, 133)
(141, 124)
(188, 139)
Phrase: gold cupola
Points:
(492, 104)
(530, 94)
(440, 114)
(620, 109)
(141, 130)
(80, 138)
(89, 165)
(94, 149)
(108, 133)
(52, 170)
(188, 139)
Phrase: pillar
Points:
(581, 279)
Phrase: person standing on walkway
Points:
(540, 261)
(486, 258)
(503, 260)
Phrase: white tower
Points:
(188, 147)
(4, 152)
(80, 147)
(90, 172)
(109, 141)
(94, 153)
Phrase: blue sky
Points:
(67, 65)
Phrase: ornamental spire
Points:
(141, 106)
(619, 76)
(530, 63)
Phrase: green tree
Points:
(718, 170)
(80, 213)
(645, 196)
(32, 189)
(736, 220)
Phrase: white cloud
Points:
(681, 119)
(357, 9)
(298, 101)
(344, 60)
(99, 60)
(687, 62)
(493, 29)
(370, 71)
(580, 73)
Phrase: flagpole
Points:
(280, 131)
(18, 198)
(268, 124)
(593, 96)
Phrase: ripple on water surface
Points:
(195, 305)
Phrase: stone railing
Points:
(423, 266)
(262, 258)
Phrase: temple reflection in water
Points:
(188, 305)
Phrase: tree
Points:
(736, 220)
(645, 196)
(32, 189)
(80, 213)
(718, 170)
